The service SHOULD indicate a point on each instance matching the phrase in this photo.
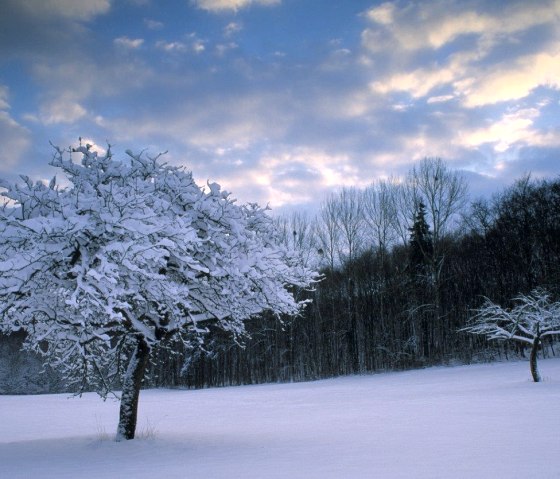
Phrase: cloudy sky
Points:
(282, 101)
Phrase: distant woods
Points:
(405, 263)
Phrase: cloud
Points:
(70, 9)
(47, 28)
(179, 47)
(497, 55)
(224, 5)
(539, 161)
(453, 79)
(64, 109)
(198, 46)
(14, 138)
(223, 48)
(414, 26)
(206, 125)
(190, 43)
(382, 14)
(478, 85)
(153, 24)
(243, 140)
(513, 128)
(232, 28)
(128, 43)
(73, 92)
(293, 177)
(440, 99)
(512, 82)
(417, 83)
(327, 169)
(4, 105)
(84, 77)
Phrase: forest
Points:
(404, 263)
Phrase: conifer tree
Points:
(421, 245)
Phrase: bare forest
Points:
(405, 264)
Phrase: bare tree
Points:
(443, 194)
(379, 211)
(479, 218)
(350, 219)
(443, 191)
(406, 203)
(328, 231)
(299, 232)
(534, 318)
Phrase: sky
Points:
(284, 101)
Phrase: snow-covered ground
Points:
(483, 421)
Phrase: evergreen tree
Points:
(420, 256)
(421, 244)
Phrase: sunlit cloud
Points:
(435, 24)
(465, 73)
(417, 83)
(91, 145)
(288, 113)
(294, 177)
(513, 128)
(512, 82)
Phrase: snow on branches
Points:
(133, 252)
(535, 316)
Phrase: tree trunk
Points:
(533, 359)
(131, 391)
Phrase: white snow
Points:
(483, 421)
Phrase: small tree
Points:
(534, 317)
(131, 255)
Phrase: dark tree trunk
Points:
(533, 359)
(131, 391)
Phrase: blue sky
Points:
(283, 101)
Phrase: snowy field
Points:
(483, 421)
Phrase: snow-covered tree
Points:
(534, 317)
(130, 255)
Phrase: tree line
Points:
(404, 265)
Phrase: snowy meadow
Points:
(479, 421)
